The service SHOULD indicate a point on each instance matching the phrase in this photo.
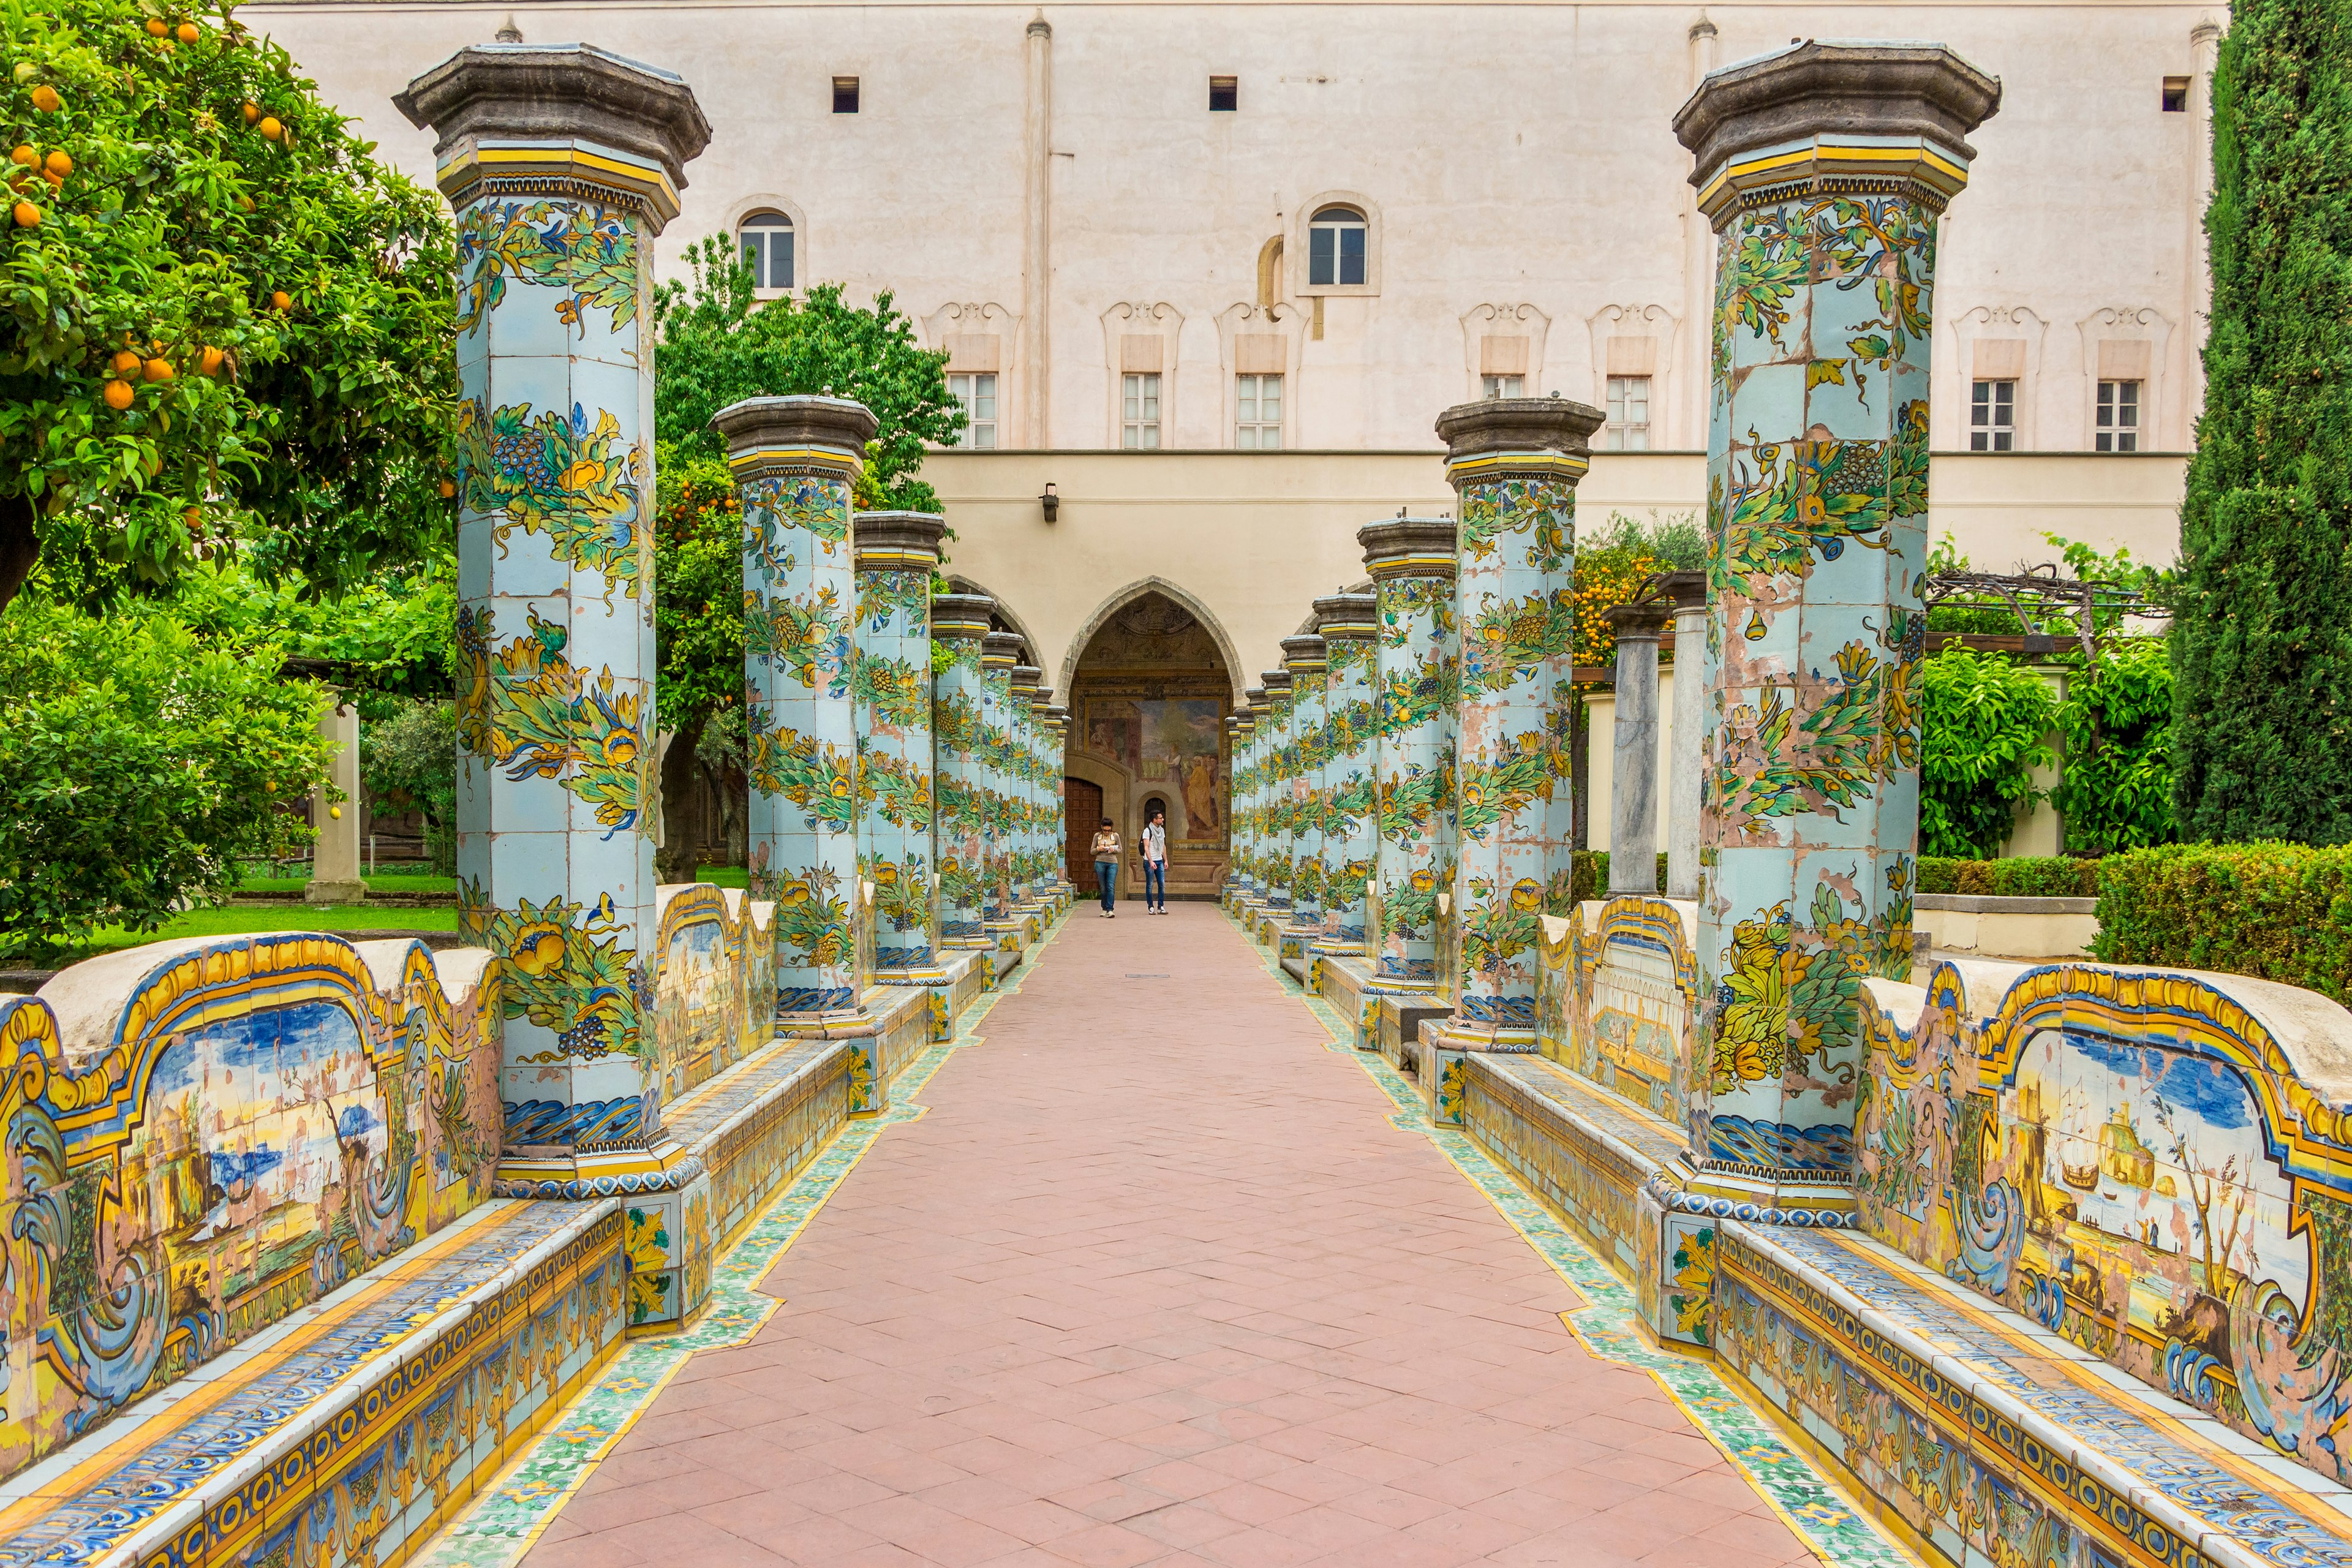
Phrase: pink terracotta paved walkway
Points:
(1155, 1280)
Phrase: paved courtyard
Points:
(1156, 1279)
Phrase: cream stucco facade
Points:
(1050, 196)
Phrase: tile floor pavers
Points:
(1155, 1271)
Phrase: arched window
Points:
(767, 239)
(1336, 248)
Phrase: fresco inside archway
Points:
(1150, 700)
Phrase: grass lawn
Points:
(381, 882)
(351, 919)
(723, 875)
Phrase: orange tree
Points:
(223, 323)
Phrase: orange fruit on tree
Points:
(252, 112)
(187, 33)
(244, 203)
(210, 362)
(45, 98)
(117, 395)
(155, 27)
(25, 154)
(193, 517)
(157, 369)
(26, 214)
(126, 362)
(270, 127)
(448, 490)
(278, 301)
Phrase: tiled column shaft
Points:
(1686, 736)
(555, 591)
(1057, 803)
(794, 460)
(1513, 463)
(1304, 657)
(1237, 811)
(1041, 870)
(1349, 623)
(896, 551)
(998, 651)
(1824, 168)
(1415, 682)
(1633, 750)
(1280, 762)
(1257, 730)
(1020, 732)
(960, 823)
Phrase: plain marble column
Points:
(1686, 738)
(335, 858)
(1633, 750)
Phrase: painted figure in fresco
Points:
(1202, 817)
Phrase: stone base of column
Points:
(334, 892)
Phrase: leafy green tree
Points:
(137, 768)
(409, 757)
(2116, 722)
(1982, 720)
(391, 637)
(2261, 647)
(221, 318)
(719, 344)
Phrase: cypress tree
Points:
(2261, 644)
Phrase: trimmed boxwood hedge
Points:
(2277, 911)
(2017, 877)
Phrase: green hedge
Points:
(2277, 911)
(1589, 874)
(2017, 877)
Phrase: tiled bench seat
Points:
(1829, 1324)
(345, 1432)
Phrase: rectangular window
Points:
(1335, 254)
(844, 95)
(1224, 94)
(1628, 415)
(977, 392)
(2175, 95)
(1992, 415)
(1139, 413)
(2118, 421)
(1502, 386)
(1257, 417)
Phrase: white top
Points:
(1155, 843)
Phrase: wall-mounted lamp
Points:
(1051, 502)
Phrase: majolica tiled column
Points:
(1513, 463)
(1041, 864)
(1236, 881)
(1304, 657)
(1349, 623)
(1823, 169)
(1277, 760)
(998, 652)
(555, 596)
(1021, 735)
(794, 459)
(960, 823)
(895, 553)
(1418, 674)
(1257, 732)
(1057, 813)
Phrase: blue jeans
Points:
(1106, 880)
(1155, 884)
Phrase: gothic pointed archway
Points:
(1148, 690)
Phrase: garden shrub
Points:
(2116, 722)
(1589, 874)
(137, 767)
(1982, 722)
(2274, 911)
(2014, 877)
(411, 760)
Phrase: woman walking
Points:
(1106, 865)
(1155, 863)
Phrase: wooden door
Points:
(1082, 813)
